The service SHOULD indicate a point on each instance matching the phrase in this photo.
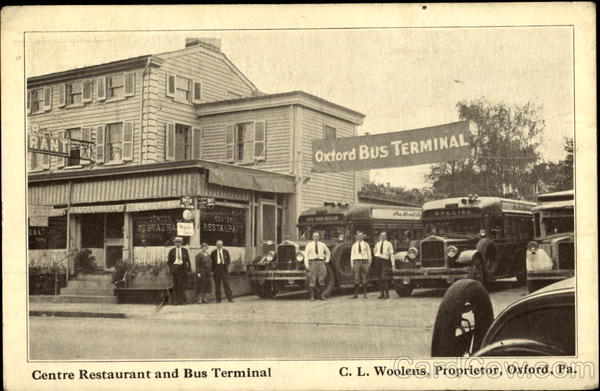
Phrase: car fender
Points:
(466, 257)
(400, 258)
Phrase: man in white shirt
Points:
(316, 258)
(383, 253)
(360, 261)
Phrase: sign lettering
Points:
(398, 149)
(397, 214)
(49, 145)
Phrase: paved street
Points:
(286, 327)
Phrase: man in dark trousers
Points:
(179, 264)
(220, 265)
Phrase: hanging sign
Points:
(398, 149)
(185, 229)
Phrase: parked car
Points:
(465, 325)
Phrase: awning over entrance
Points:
(250, 182)
(98, 209)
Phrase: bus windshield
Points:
(327, 231)
(558, 225)
(468, 227)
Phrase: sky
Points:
(399, 78)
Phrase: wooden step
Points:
(87, 291)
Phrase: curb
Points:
(78, 314)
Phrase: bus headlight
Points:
(300, 257)
(451, 251)
(533, 247)
(413, 252)
(270, 256)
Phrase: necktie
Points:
(316, 250)
(178, 253)
(359, 247)
(220, 256)
(381, 248)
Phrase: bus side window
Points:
(525, 228)
(496, 226)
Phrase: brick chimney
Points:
(211, 43)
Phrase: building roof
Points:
(134, 62)
(277, 100)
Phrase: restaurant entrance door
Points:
(113, 240)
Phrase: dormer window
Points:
(183, 89)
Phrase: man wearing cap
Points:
(220, 266)
(384, 256)
(360, 261)
(316, 259)
(179, 264)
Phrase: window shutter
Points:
(229, 139)
(28, 102)
(197, 143)
(260, 140)
(197, 97)
(62, 95)
(62, 161)
(86, 134)
(129, 83)
(249, 143)
(47, 98)
(101, 87)
(171, 85)
(128, 141)
(87, 90)
(170, 141)
(100, 144)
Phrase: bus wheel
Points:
(404, 290)
(265, 291)
(477, 273)
(341, 261)
(329, 288)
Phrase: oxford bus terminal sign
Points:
(397, 149)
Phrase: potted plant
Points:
(85, 262)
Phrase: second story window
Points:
(183, 142)
(75, 153)
(245, 142)
(329, 132)
(37, 100)
(114, 142)
(74, 93)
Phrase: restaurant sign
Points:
(398, 149)
(49, 145)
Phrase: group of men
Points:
(362, 259)
(215, 263)
(317, 256)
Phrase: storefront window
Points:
(54, 236)
(114, 226)
(156, 228)
(226, 224)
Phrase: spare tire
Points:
(340, 259)
(464, 295)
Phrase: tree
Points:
(555, 176)
(503, 152)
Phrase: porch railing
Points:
(57, 264)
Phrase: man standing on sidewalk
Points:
(220, 266)
(316, 260)
(179, 264)
(384, 256)
(360, 262)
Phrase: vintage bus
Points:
(551, 255)
(482, 238)
(282, 267)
